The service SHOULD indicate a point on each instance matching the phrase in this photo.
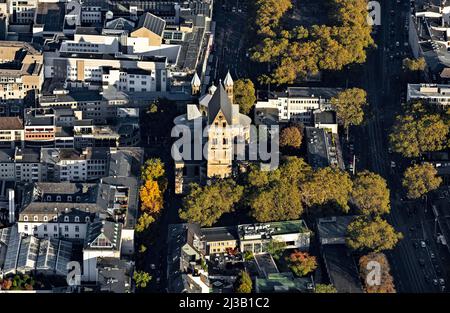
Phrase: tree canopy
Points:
(367, 265)
(419, 130)
(291, 137)
(415, 65)
(371, 234)
(244, 95)
(420, 179)
(349, 106)
(371, 194)
(144, 221)
(244, 283)
(323, 288)
(328, 185)
(205, 205)
(301, 263)
(141, 279)
(151, 197)
(300, 51)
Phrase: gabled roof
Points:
(103, 235)
(220, 102)
(153, 23)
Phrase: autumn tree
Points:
(153, 169)
(414, 134)
(290, 137)
(328, 185)
(301, 263)
(349, 106)
(144, 221)
(141, 279)
(371, 234)
(244, 95)
(244, 283)
(371, 194)
(323, 288)
(415, 65)
(420, 179)
(276, 195)
(300, 51)
(151, 197)
(374, 262)
(205, 205)
(277, 202)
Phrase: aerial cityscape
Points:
(225, 147)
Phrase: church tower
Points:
(228, 85)
(195, 85)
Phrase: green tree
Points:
(244, 95)
(371, 234)
(141, 279)
(415, 65)
(349, 106)
(144, 221)
(322, 288)
(301, 263)
(205, 205)
(328, 185)
(371, 194)
(290, 137)
(420, 179)
(276, 248)
(244, 283)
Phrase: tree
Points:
(153, 169)
(244, 95)
(141, 279)
(244, 283)
(417, 132)
(420, 179)
(291, 137)
(151, 197)
(278, 202)
(322, 288)
(143, 222)
(371, 234)
(301, 263)
(376, 261)
(276, 248)
(371, 194)
(328, 185)
(205, 205)
(415, 65)
(349, 106)
(142, 248)
(298, 52)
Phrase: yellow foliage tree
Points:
(151, 197)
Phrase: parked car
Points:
(441, 281)
(423, 244)
(422, 262)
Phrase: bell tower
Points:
(228, 85)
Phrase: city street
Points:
(412, 266)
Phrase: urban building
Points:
(297, 104)
(21, 76)
(435, 94)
